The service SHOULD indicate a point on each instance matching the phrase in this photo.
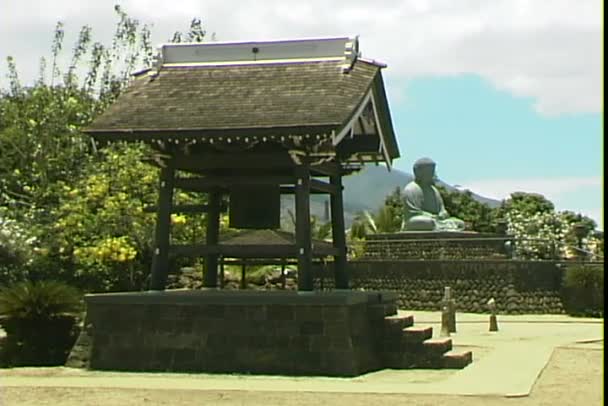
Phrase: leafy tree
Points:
(543, 233)
(526, 204)
(387, 219)
(477, 216)
(83, 207)
(40, 140)
(17, 249)
(196, 33)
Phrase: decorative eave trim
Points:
(348, 128)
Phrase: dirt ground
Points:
(573, 376)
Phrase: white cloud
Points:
(567, 193)
(548, 50)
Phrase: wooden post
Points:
(243, 277)
(303, 232)
(222, 273)
(338, 233)
(450, 304)
(213, 234)
(160, 261)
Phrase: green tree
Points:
(476, 215)
(543, 233)
(83, 207)
(526, 204)
(387, 219)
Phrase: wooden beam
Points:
(303, 228)
(203, 161)
(212, 238)
(290, 190)
(255, 251)
(203, 184)
(360, 143)
(338, 234)
(160, 260)
(323, 187)
(326, 168)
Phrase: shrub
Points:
(40, 321)
(16, 248)
(583, 291)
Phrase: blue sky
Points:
(495, 143)
(504, 94)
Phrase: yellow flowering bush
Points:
(112, 249)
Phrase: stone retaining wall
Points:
(418, 245)
(517, 286)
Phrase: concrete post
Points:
(450, 304)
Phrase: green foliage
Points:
(528, 204)
(40, 143)
(320, 230)
(387, 219)
(196, 33)
(477, 216)
(538, 236)
(545, 234)
(101, 237)
(583, 290)
(257, 274)
(40, 322)
(39, 300)
(17, 248)
(82, 209)
(540, 231)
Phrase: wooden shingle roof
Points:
(253, 96)
(315, 97)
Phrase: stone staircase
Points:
(402, 345)
(80, 355)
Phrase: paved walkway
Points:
(505, 363)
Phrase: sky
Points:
(505, 95)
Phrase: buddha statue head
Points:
(424, 171)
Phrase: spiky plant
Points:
(39, 300)
(40, 320)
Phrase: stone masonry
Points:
(333, 334)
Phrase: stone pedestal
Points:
(310, 333)
(436, 245)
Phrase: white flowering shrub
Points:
(546, 235)
(17, 249)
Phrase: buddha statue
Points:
(424, 209)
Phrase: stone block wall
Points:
(435, 245)
(248, 332)
(517, 286)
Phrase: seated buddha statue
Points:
(424, 208)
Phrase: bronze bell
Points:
(255, 207)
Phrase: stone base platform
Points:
(340, 333)
(437, 245)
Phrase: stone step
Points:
(436, 347)
(414, 335)
(397, 323)
(456, 359)
(80, 354)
